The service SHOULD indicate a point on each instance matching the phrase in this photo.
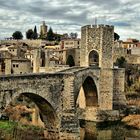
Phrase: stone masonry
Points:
(99, 38)
(61, 91)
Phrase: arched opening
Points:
(32, 109)
(2, 64)
(42, 58)
(93, 58)
(70, 61)
(88, 94)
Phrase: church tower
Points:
(43, 29)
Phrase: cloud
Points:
(69, 16)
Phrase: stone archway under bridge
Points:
(87, 101)
(32, 109)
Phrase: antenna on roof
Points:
(95, 20)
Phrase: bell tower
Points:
(43, 29)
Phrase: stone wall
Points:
(31, 43)
(47, 86)
(118, 51)
(8, 66)
(133, 59)
(75, 53)
(56, 89)
(20, 66)
(106, 89)
(119, 100)
(53, 69)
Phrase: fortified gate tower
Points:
(96, 45)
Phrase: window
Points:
(15, 65)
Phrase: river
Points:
(108, 131)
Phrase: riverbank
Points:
(133, 104)
(132, 120)
(15, 131)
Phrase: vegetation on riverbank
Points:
(133, 104)
(11, 130)
(132, 120)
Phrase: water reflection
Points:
(107, 131)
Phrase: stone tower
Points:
(96, 45)
(39, 61)
(43, 29)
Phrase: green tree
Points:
(57, 37)
(121, 62)
(29, 34)
(73, 35)
(17, 35)
(35, 35)
(116, 37)
(50, 35)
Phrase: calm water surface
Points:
(108, 131)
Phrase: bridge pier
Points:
(69, 128)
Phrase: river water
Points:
(108, 131)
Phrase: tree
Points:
(17, 35)
(73, 35)
(29, 34)
(65, 36)
(57, 37)
(121, 62)
(116, 37)
(35, 35)
(50, 35)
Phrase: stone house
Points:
(20, 66)
(70, 43)
(13, 61)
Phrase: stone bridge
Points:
(67, 96)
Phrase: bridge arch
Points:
(93, 57)
(88, 93)
(42, 112)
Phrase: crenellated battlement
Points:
(98, 26)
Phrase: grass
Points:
(11, 130)
(7, 126)
(29, 127)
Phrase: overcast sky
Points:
(69, 15)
